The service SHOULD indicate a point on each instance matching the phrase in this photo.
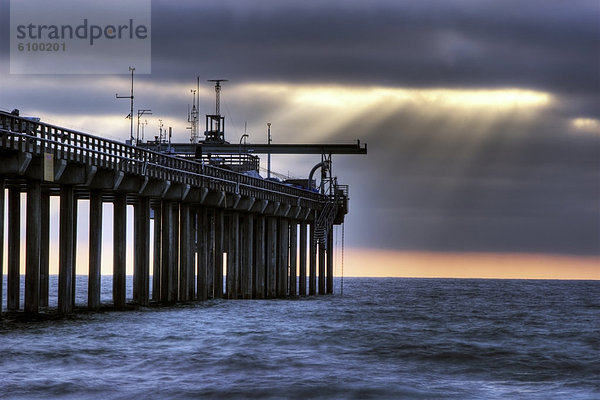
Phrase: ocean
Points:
(382, 339)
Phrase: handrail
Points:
(39, 137)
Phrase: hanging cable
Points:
(342, 280)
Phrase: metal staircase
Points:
(325, 221)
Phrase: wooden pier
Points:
(271, 233)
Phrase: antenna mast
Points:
(218, 94)
(215, 124)
(130, 116)
(194, 113)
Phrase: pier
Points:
(217, 232)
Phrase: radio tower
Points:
(194, 113)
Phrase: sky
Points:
(482, 118)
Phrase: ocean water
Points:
(381, 339)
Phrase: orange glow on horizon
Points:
(390, 263)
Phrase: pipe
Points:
(322, 164)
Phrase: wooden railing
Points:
(29, 136)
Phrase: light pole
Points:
(269, 154)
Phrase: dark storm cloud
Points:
(552, 45)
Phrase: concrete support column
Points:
(2, 188)
(65, 256)
(271, 273)
(233, 255)
(210, 256)
(321, 250)
(13, 294)
(74, 248)
(247, 259)
(259, 259)
(44, 249)
(32, 262)
(95, 251)
(184, 250)
(119, 249)
(156, 263)
(283, 262)
(330, 250)
(192, 245)
(141, 260)
(174, 273)
(312, 279)
(166, 250)
(293, 257)
(218, 264)
(202, 253)
(303, 244)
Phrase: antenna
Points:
(130, 116)
(194, 113)
(139, 114)
(218, 94)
